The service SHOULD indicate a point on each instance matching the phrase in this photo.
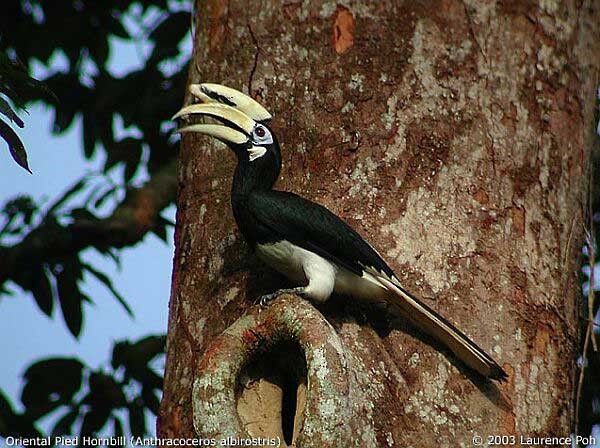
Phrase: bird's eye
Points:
(261, 135)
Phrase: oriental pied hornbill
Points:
(301, 239)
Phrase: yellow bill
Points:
(223, 133)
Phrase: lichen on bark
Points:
(475, 129)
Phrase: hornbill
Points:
(301, 239)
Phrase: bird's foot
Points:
(264, 300)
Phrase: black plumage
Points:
(280, 215)
(304, 240)
(284, 215)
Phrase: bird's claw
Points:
(264, 300)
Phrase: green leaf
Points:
(128, 150)
(22, 204)
(111, 253)
(103, 278)
(171, 30)
(135, 358)
(31, 276)
(131, 167)
(50, 383)
(118, 29)
(41, 290)
(63, 118)
(15, 145)
(104, 392)
(100, 52)
(117, 427)
(83, 214)
(65, 425)
(160, 229)
(14, 424)
(151, 400)
(94, 420)
(14, 96)
(69, 295)
(75, 188)
(138, 354)
(16, 78)
(137, 419)
(6, 110)
(89, 135)
(101, 200)
(167, 36)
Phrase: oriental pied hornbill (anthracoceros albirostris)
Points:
(301, 239)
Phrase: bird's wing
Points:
(313, 227)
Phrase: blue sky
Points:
(145, 273)
(144, 277)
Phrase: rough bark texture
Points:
(454, 136)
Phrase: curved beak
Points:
(236, 129)
(222, 133)
(225, 114)
(238, 112)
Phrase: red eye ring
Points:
(260, 131)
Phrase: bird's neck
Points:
(249, 179)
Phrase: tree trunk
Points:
(455, 137)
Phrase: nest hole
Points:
(272, 393)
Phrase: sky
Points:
(145, 272)
(144, 276)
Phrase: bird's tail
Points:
(436, 326)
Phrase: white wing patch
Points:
(256, 152)
(299, 264)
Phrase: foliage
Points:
(79, 395)
(14, 83)
(143, 98)
(41, 244)
(588, 394)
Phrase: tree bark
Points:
(455, 137)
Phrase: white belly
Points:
(323, 277)
(286, 258)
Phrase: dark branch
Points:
(131, 220)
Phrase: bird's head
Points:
(242, 124)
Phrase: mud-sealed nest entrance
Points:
(278, 372)
(271, 392)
